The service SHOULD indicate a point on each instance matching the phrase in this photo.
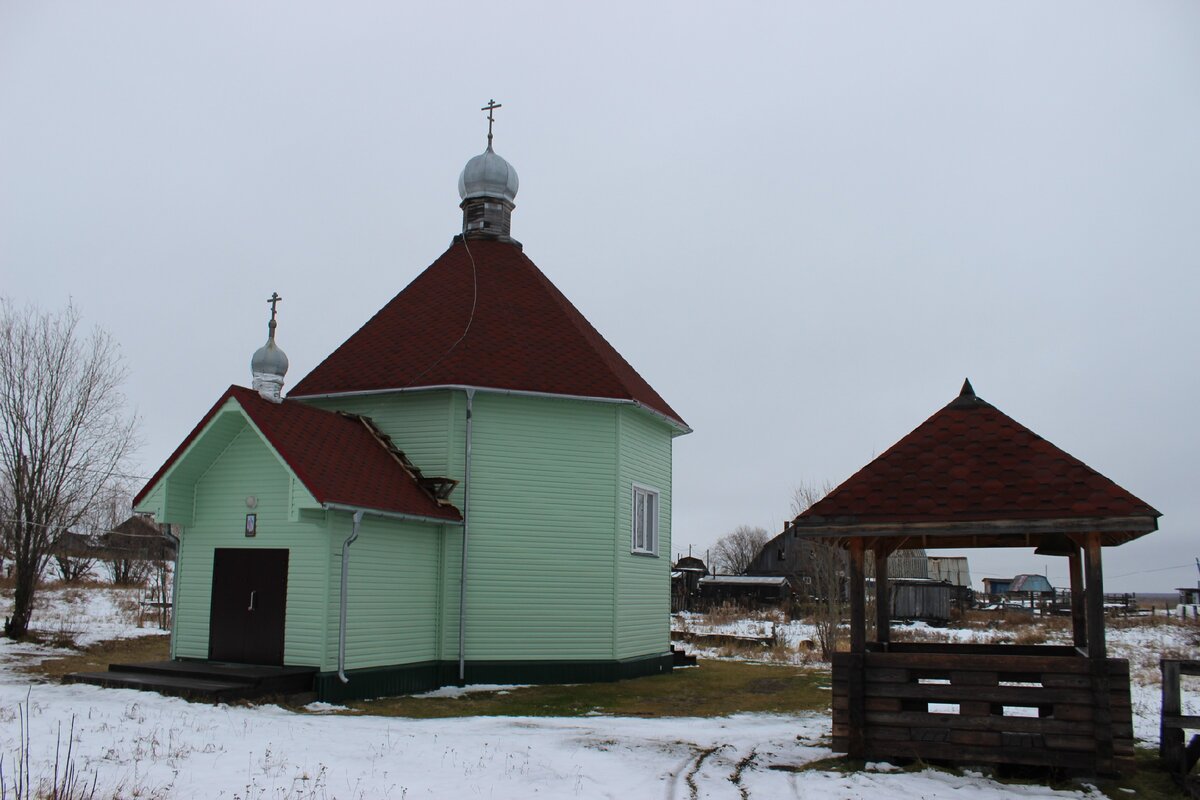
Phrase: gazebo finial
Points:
(967, 389)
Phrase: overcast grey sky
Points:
(803, 223)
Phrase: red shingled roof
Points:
(521, 333)
(335, 456)
(971, 462)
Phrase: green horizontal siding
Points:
(643, 582)
(392, 611)
(540, 580)
(248, 467)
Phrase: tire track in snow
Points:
(735, 777)
(690, 778)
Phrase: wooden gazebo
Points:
(970, 477)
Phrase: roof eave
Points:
(977, 533)
(681, 427)
(400, 515)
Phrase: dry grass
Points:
(97, 657)
(715, 688)
(730, 613)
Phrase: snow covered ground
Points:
(146, 746)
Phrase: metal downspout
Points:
(462, 583)
(178, 542)
(357, 520)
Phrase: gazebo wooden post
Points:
(883, 606)
(858, 599)
(1078, 610)
(1097, 655)
(1095, 597)
(857, 740)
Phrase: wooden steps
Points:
(682, 659)
(207, 681)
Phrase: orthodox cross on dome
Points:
(274, 300)
(491, 109)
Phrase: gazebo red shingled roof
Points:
(488, 318)
(334, 455)
(970, 475)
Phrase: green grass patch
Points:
(715, 688)
(1152, 781)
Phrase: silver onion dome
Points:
(269, 364)
(269, 360)
(488, 175)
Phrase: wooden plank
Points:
(952, 662)
(857, 708)
(1102, 704)
(883, 601)
(1008, 695)
(1071, 712)
(1078, 608)
(917, 719)
(1181, 721)
(882, 704)
(978, 738)
(1081, 744)
(970, 678)
(882, 749)
(858, 607)
(1059, 681)
(1094, 596)
(990, 650)
(888, 675)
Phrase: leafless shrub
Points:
(64, 784)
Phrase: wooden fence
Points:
(984, 704)
(1178, 756)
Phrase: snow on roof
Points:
(745, 580)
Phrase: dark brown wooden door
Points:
(249, 606)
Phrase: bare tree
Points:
(826, 568)
(65, 436)
(126, 557)
(736, 550)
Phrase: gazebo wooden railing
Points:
(1064, 707)
(1001, 704)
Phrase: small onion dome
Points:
(488, 175)
(267, 368)
(269, 360)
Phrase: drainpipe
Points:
(358, 515)
(178, 542)
(462, 583)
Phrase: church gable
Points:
(338, 460)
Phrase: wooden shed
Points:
(921, 599)
(969, 477)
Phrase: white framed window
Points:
(645, 520)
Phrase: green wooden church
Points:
(474, 487)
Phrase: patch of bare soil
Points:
(97, 657)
